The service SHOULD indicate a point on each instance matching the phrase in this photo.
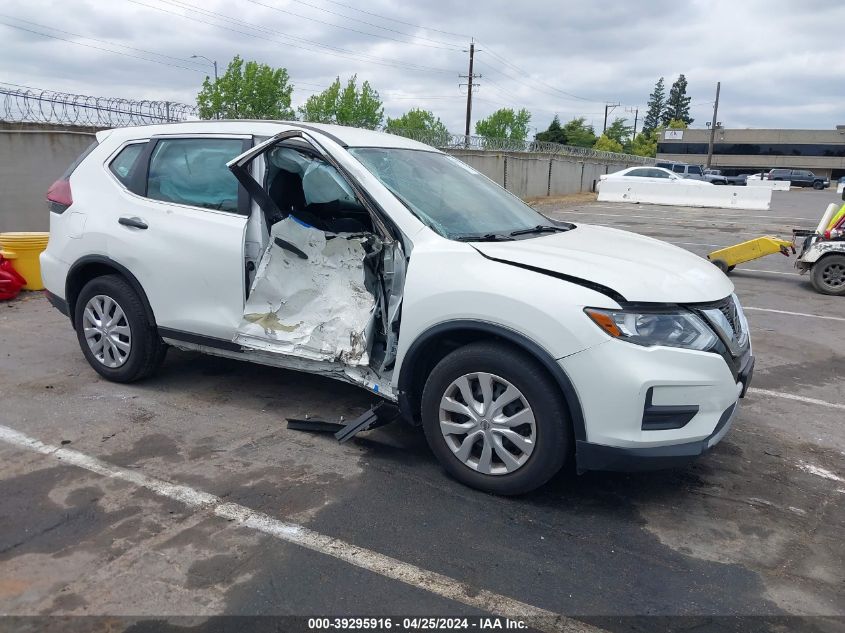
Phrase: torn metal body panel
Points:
(360, 376)
(309, 298)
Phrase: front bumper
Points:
(599, 457)
(651, 408)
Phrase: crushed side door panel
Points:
(310, 297)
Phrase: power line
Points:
(308, 44)
(94, 39)
(384, 17)
(349, 28)
(99, 48)
(538, 81)
(384, 28)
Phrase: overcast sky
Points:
(781, 63)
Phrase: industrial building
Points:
(747, 151)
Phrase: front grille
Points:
(727, 307)
(724, 317)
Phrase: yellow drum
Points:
(23, 249)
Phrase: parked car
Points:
(715, 176)
(799, 178)
(740, 180)
(649, 174)
(684, 170)
(382, 262)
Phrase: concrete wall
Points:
(537, 175)
(33, 156)
(30, 161)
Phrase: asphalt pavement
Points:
(185, 495)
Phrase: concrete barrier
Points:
(840, 188)
(678, 195)
(774, 185)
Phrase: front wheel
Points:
(115, 335)
(495, 419)
(818, 185)
(829, 275)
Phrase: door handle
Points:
(135, 223)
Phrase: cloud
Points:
(779, 62)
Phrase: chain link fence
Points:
(31, 105)
(21, 104)
(461, 141)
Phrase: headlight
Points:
(679, 328)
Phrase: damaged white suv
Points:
(516, 341)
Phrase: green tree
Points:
(421, 124)
(505, 123)
(608, 145)
(554, 134)
(619, 132)
(575, 132)
(579, 134)
(345, 106)
(247, 91)
(677, 124)
(645, 144)
(677, 105)
(655, 107)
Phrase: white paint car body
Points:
(646, 173)
(527, 294)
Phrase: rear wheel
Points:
(113, 330)
(495, 419)
(829, 275)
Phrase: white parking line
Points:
(381, 564)
(768, 272)
(791, 396)
(801, 314)
(698, 210)
(667, 220)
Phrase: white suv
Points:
(516, 341)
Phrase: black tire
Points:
(721, 264)
(552, 443)
(147, 350)
(818, 185)
(828, 275)
(731, 268)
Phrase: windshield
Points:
(446, 194)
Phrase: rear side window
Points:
(678, 169)
(121, 165)
(193, 172)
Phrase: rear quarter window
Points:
(122, 164)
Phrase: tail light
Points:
(59, 196)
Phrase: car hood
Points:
(639, 268)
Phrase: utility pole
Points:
(469, 77)
(713, 126)
(608, 107)
(636, 112)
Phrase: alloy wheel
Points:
(833, 276)
(107, 331)
(487, 423)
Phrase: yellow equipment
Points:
(726, 259)
(23, 250)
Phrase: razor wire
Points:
(447, 140)
(32, 105)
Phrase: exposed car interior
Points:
(325, 287)
(302, 184)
